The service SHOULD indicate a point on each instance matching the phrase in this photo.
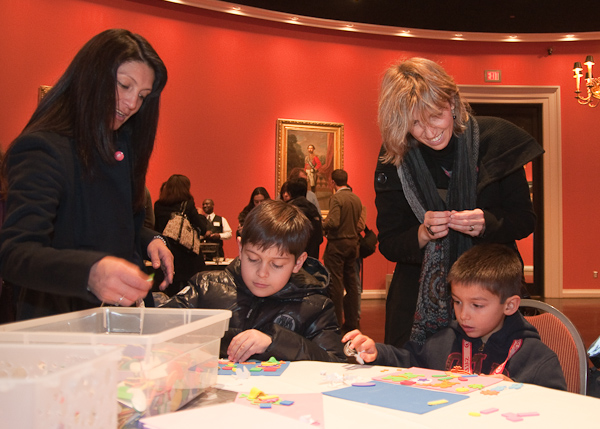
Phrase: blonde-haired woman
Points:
(445, 181)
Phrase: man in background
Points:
(218, 229)
(342, 227)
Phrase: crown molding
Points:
(383, 30)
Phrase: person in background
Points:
(175, 197)
(277, 294)
(342, 227)
(297, 190)
(73, 236)
(445, 181)
(284, 194)
(258, 195)
(218, 228)
(299, 173)
(489, 335)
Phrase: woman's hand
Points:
(117, 281)
(246, 344)
(364, 345)
(161, 257)
(434, 226)
(470, 222)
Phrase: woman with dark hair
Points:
(73, 237)
(258, 195)
(175, 196)
(284, 194)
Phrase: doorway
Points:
(529, 118)
(549, 98)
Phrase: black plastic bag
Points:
(367, 243)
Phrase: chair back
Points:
(562, 337)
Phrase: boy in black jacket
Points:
(489, 335)
(278, 296)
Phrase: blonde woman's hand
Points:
(469, 222)
(434, 226)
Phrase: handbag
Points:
(367, 244)
(181, 230)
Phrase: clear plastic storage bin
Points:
(58, 386)
(169, 355)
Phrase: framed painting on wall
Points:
(316, 148)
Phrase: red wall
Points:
(231, 77)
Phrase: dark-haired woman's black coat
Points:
(60, 221)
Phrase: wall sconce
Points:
(592, 84)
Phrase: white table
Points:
(557, 409)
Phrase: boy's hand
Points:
(246, 344)
(364, 345)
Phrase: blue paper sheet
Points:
(396, 397)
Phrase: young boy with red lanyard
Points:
(489, 335)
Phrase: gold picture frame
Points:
(293, 139)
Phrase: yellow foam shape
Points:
(438, 402)
(255, 392)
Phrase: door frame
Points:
(549, 98)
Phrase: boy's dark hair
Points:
(297, 187)
(340, 177)
(495, 267)
(276, 223)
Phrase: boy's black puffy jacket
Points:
(300, 318)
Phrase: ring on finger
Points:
(471, 228)
(120, 299)
(428, 228)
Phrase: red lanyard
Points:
(468, 349)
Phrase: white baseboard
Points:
(373, 294)
(580, 293)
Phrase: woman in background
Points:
(73, 236)
(445, 181)
(284, 193)
(258, 195)
(175, 196)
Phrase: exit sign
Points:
(493, 76)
